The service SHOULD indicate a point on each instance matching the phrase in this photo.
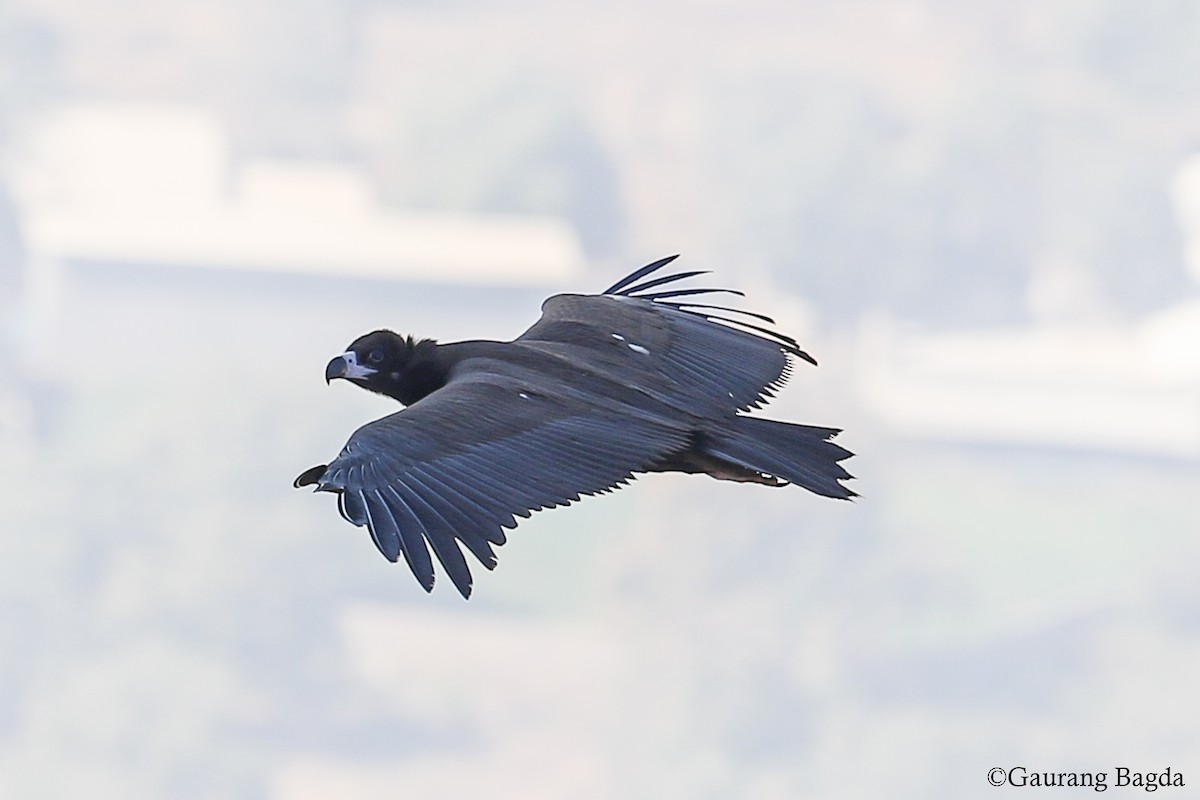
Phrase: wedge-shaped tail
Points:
(799, 454)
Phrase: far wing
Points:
(459, 464)
(708, 356)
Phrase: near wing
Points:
(707, 356)
(457, 466)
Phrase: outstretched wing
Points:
(705, 357)
(459, 464)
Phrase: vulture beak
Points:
(346, 366)
(335, 369)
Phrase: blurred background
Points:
(982, 218)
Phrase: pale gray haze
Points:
(982, 218)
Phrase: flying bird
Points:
(640, 378)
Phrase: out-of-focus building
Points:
(1133, 391)
(1076, 382)
(154, 185)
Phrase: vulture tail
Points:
(799, 454)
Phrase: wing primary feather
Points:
(787, 342)
(412, 546)
(444, 545)
(687, 293)
(678, 276)
(475, 515)
(310, 476)
(487, 522)
(687, 309)
(464, 528)
(463, 479)
(352, 508)
(383, 529)
(782, 338)
(639, 274)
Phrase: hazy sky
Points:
(969, 212)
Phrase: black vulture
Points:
(639, 378)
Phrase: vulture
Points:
(639, 378)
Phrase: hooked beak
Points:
(346, 366)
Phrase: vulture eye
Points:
(375, 356)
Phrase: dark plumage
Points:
(636, 379)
